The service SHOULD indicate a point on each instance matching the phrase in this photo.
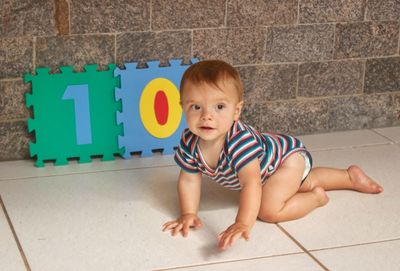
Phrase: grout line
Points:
(391, 142)
(115, 48)
(355, 147)
(364, 70)
(228, 261)
(288, 254)
(298, 13)
(12, 79)
(302, 247)
(298, 80)
(382, 135)
(398, 45)
(191, 43)
(21, 251)
(150, 15)
(226, 14)
(356, 245)
(69, 17)
(334, 43)
(350, 59)
(88, 172)
(264, 56)
(34, 41)
(11, 121)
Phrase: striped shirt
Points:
(242, 145)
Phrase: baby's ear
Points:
(238, 110)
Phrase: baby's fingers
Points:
(234, 238)
(229, 239)
(198, 223)
(224, 240)
(177, 229)
(185, 229)
(246, 235)
(169, 225)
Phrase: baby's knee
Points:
(269, 216)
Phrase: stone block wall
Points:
(308, 66)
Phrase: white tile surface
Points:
(26, 169)
(10, 258)
(341, 140)
(392, 133)
(380, 256)
(108, 216)
(112, 221)
(351, 217)
(296, 262)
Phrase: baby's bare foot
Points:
(321, 195)
(361, 182)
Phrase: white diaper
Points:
(307, 168)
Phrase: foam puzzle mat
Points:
(79, 115)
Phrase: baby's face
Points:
(210, 110)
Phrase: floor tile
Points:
(351, 217)
(342, 140)
(296, 262)
(9, 253)
(371, 257)
(112, 221)
(392, 133)
(26, 169)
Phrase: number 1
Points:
(80, 95)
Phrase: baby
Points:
(272, 171)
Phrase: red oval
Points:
(161, 107)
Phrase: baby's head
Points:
(215, 73)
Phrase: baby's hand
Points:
(232, 234)
(183, 224)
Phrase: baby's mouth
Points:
(206, 128)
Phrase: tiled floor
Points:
(108, 216)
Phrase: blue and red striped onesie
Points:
(242, 144)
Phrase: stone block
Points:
(147, 46)
(324, 11)
(168, 14)
(16, 56)
(27, 18)
(12, 100)
(14, 141)
(294, 117)
(76, 51)
(383, 10)
(62, 17)
(234, 45)
(330, 78)
(104, 16)
(396, 109)
(360, 112)
(264, 83)
(366, 39)
(251, 13)
(299, 43)
(382, 75)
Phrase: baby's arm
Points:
(249, 205)
(189, 188)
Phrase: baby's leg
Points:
(352, 178)
(281, 200)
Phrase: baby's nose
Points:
(206, 115)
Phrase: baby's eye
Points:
(220, 106)
(195, 107)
